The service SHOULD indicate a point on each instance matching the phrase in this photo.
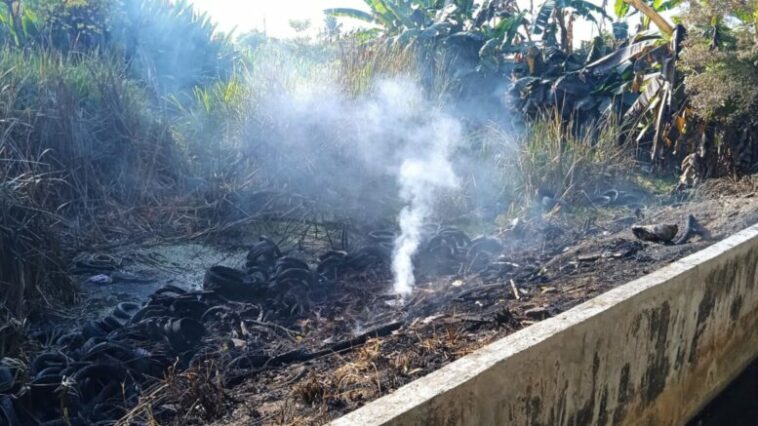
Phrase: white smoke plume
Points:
(358, 154)
(421, 177)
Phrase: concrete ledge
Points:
(651, 352)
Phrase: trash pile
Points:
(245, 320)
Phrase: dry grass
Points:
(362, 63)
(195, 396)
(81, 152)
(12, 334)
(570, 166)
(310, 391)
(359, 378)
(32, 269)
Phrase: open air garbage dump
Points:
(281, 310)
(241, 320)
(278, 212)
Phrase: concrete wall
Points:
(651, 352)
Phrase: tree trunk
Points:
(560, 19)
(654, 16)
(570, 33)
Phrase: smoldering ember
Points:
(284, 222)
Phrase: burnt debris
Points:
(243, 320)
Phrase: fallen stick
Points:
(282, 331)
(515, 290)
(380, 331)
(466, 294)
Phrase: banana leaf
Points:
(661, 120)
(401, 12)
(448, 13)
(508, 28)
(664, 5)
(651, 88)
(522, 85)
(465, 6)
(490, 48)
(543, 16)
(407, 36)
(484, 13)
(344, 12)
(467, 41)
(620, 30)
(571, 83)
(619, 56)
(621, 8)
(587, 103)
(29, 21)
(382, 14)
(584, 8)
(420, 18)
(437, 30)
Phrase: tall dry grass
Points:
(77, 139)
(570, 165)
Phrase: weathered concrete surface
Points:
(652, 352)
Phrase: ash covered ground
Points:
(246, 329)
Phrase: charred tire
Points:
(184, 334)
(231, 283)
(8, 412)
(125, 311)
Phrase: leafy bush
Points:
(166, 44)
(170, 46)
(721, 65)
(722, 80)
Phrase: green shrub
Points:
(721, 61)
(167, 45)
(721, 65)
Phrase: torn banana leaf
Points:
(620, 56)
(651, 88)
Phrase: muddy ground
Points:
(377, 343)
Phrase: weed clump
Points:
(569, 168)
(76, 139)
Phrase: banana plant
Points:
(397, 16)
(556, 12)
(490, 27)
(623, 8)
(636, 82)
(393, 16)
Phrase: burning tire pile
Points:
(244, 321)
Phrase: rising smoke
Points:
(420, 178)
(390, 150)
